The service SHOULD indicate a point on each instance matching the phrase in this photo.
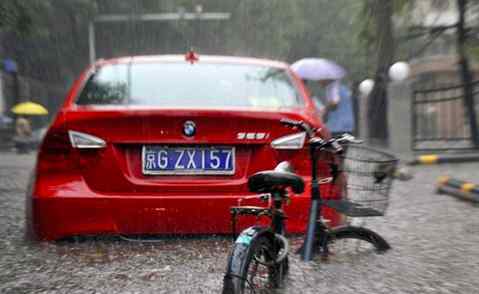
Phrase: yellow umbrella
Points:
(29, 108)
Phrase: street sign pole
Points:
(91, 41)
(2, 99)
(197, 15)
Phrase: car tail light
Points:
(56, 152)
(85, 141)
(290, 142)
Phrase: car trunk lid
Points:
(127, 131)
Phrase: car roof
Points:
(202, 58)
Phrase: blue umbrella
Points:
(318, 69)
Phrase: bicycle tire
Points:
(379, 244)
(239, 278)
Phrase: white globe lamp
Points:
(366, 86)
(399, 71)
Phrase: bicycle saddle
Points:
(281, 177)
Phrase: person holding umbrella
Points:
(23, 134)
(23, 130)
(332, 99)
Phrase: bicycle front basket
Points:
(369, 175)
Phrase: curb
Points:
(461, 189)
(438, 159)
(6, 147)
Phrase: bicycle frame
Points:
(273, 211)
(315, 209)
(277, 222)
(312, 230)
(277, 215)
(269, 241)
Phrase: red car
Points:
(164, 145)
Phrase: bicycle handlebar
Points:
(333, 145)
(299, 124)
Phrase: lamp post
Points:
(198, 12)
(397, 72)
(366, 86)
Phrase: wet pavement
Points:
(435, 241)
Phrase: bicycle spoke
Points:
(259, 276)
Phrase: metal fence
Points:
(439, 118)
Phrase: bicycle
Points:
(259, 259)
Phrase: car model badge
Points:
(189, 128)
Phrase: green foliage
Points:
(16, 16)
(56, 46)
(262, 28)
(365, 21)
(46, 37)
(474, 53)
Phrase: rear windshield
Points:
(185, 85)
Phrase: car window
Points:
(109, 85)
(198, 85)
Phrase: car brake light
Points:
(290, 142)
(85, 141)
(55, 154)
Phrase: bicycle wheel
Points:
(351, 241)
(252, 268)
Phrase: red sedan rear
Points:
(157, 145)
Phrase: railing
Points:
(439, 118)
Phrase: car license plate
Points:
(169, 160)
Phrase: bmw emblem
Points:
(189, 128)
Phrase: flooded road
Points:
(435, 241)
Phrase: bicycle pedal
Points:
(324, 221)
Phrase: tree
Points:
(55, 47)
(16, 16)
(47, 40)
(469, 104)
(382, 13)
(378, 30)
(377, 34)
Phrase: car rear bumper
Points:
(53, 218)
